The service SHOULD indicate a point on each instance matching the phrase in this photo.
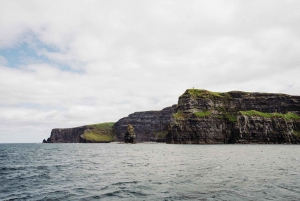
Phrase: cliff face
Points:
(147, 125)
(203, 117)
(266, 130)
(95, 133)
(235, 117)
(67, 135)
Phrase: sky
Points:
(71, 63)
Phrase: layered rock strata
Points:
(149, 125)
(205, 117)
(95, 133)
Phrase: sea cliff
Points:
(205, 117)
(94, 133)
(148, 126)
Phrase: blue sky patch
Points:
(25, 53)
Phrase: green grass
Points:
(202, 113)
(288, 115)
(291, 115)
(230, 117)
(102, 132)
(256, 113)
(162, 134)
(179, 115)
(296, 133)
(106, 125)
(201, 93)
(97, 137)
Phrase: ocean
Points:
(149, 171)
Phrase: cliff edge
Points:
(205, 117)
(94, 133)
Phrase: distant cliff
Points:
(149, 125)
(101, 133)
(205, 117)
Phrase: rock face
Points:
(96, 133)
(130, 135)
(67, 135)
(205, 117)
(149, 125)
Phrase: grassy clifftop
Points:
(103, 132)
(228, 105)
(202, 93)
(288, 115)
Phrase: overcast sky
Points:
(71, 63)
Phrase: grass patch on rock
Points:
(230, 117)
(162, 134)
(296, 133)
(107, 125)
(179, 115)
(202, 113)
(291, 115)
(201, 93)
(102, 132)
(288, 115)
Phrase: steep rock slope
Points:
(205, 117)
(149, 125)
(95, 133)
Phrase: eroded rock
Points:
(130, 136)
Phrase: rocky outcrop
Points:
(205, 117)
(130, 135)
(47, 141)
(67, 135)
(149, 125)
(259, 130)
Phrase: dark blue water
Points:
(149, 172)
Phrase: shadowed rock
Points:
(148, 125)
(130, 136)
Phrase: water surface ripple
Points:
(149, 172)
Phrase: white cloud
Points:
(128, 56)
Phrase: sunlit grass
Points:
(288, 115)
(102, 132)
(202, 113)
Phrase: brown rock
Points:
(130, 136)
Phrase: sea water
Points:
(149, 172)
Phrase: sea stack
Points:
(130, 135)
